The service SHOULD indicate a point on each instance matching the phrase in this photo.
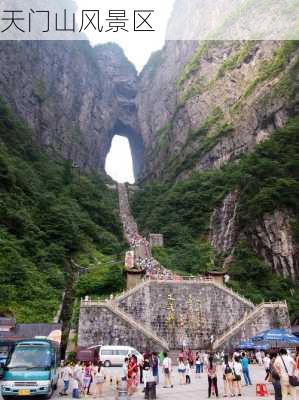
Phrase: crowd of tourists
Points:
(281, 370)
(279, 367)
(140, 245)
(155, 369)
(78, 378)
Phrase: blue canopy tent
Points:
(250, 345)
(276, 338)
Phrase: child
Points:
(188, 373)
(76, 392)
(182, 372)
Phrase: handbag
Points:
(293, 380)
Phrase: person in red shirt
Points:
(181, 356)
(190, 358)
(132, 374)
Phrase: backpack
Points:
(227, 369)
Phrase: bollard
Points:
(121, 390)
(150, 391)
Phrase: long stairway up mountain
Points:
(143, 259)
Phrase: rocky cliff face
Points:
(271, 238)
(195, 106)
(202, 105)
(75, 97)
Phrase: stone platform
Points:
(159, 315)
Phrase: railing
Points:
(218, 342)
(147, 331)
(112, 306)
(235, 294)
(146, 281)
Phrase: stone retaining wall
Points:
(99, 325)
(151, 306)
(190, 313)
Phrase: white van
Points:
(115, 355)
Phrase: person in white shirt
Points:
(188, 373)
(267, 361)
(124, 374)
(182, 372)
(77, 374)
(166, 365)
(237, 370)
(66, 374)
(258, 357)
(285, 366)
(198, 362)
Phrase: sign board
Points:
(156, 240)
(129, 259)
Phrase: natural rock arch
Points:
(135, 141)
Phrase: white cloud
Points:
(138, 46)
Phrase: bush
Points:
(48, 215)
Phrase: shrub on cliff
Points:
(48, 213)
(267, 180)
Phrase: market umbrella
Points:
(250, 345)
(246, 345)
(276, 338)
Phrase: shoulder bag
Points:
(293, 380)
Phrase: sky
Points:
(119, 163)
(138, 46)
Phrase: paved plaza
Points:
(197, 390)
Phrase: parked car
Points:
(115, 355)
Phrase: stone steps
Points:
(238, 326)
(113, 308)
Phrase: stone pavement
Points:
(197, 390)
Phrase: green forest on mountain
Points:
(50, 215)
(267, 179)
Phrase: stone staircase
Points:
(139, 316)
(131, 291)
(234, 294)
(254, 315)
(114, 309)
